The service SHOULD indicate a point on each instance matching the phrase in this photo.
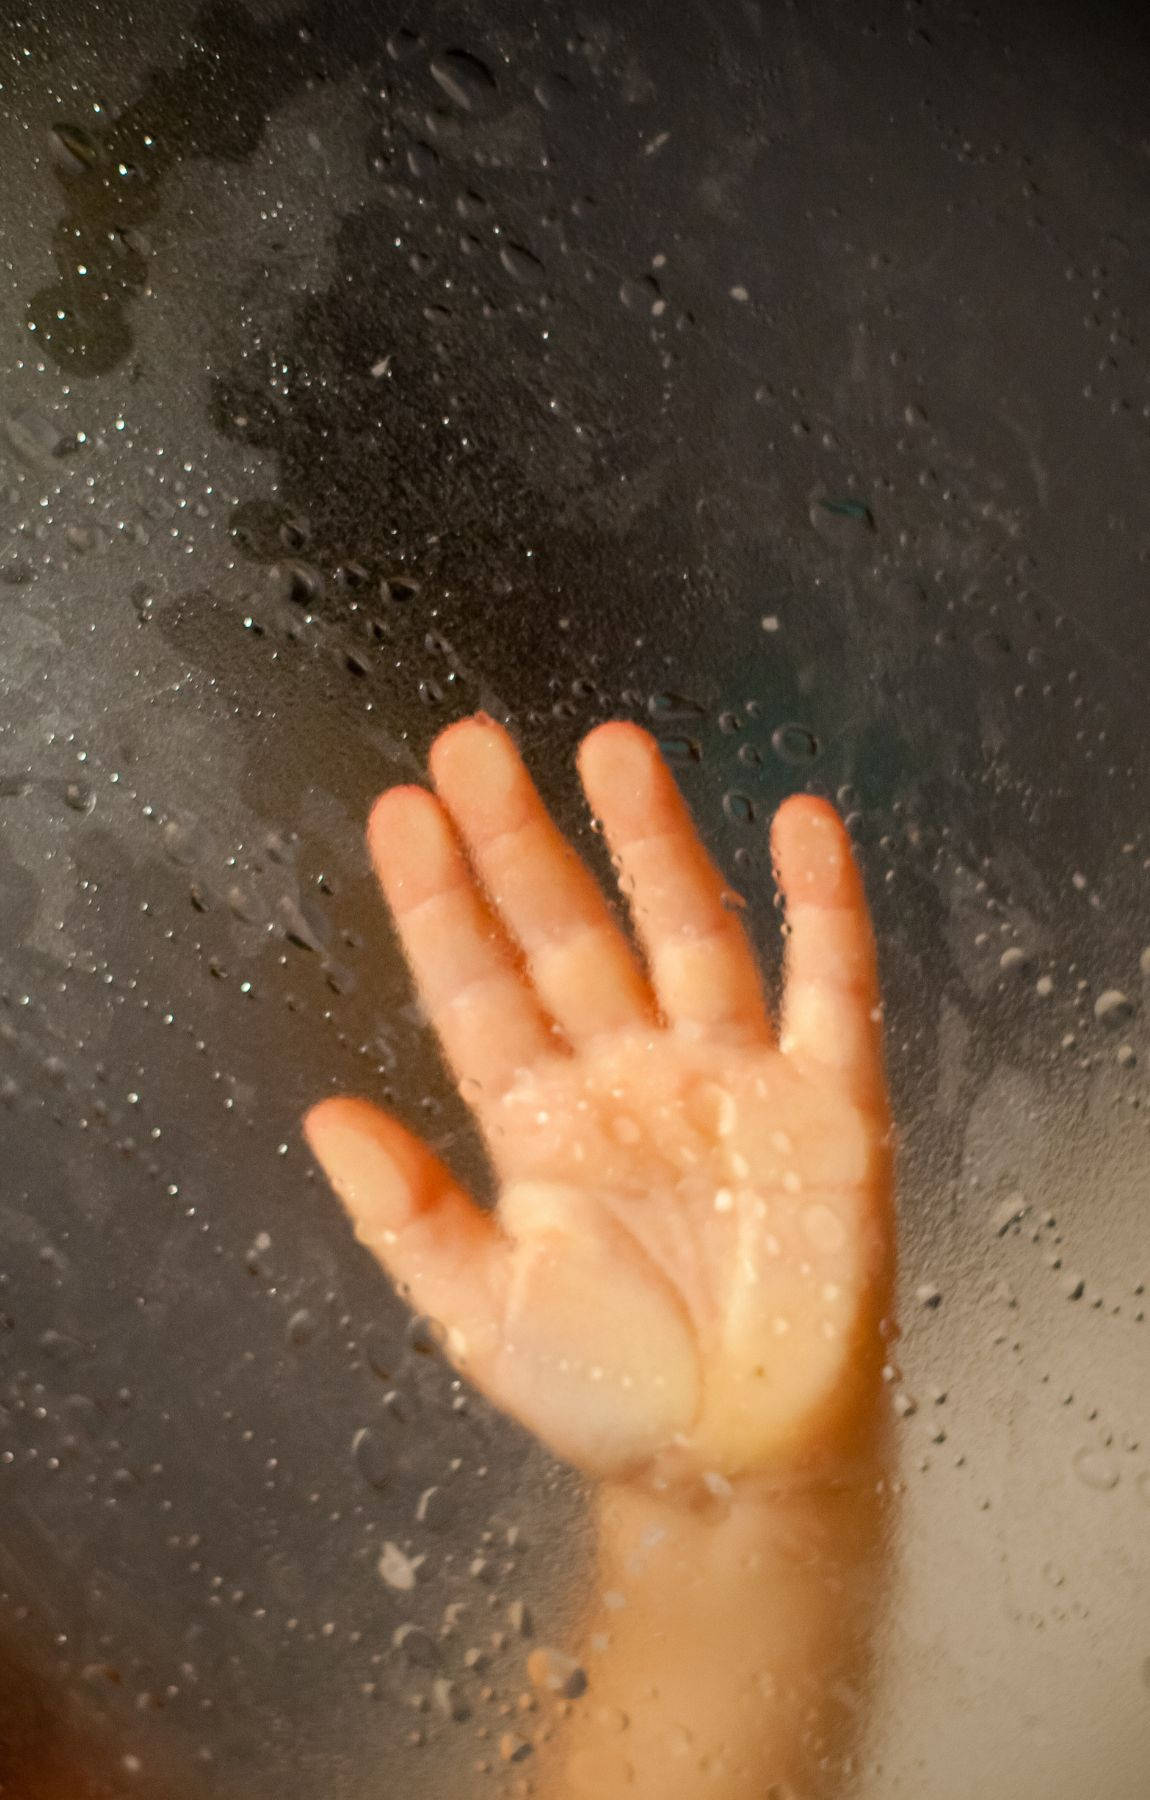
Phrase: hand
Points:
(688, 1265)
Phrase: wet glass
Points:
(768, 375)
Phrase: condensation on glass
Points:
(770, 374)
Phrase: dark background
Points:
(774, 373)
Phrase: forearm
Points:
(725, 1645)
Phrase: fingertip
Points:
(480, 776)
(812, 852)
(329, 1120)
(618, 752)
(411, 844)
(458, 742)
(391, 809)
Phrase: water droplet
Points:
(680, 749)
(423, 161)
(448, 1700)
(839, 520)
(399, 587)
(242, 904)
(1006, 1215)
(513, 1748)
(302, 584)
(556, 1672)
(739, 807)
(554, 92)
(403, 44)
(35, 438)
(1097, 1470)
(79, 796)
(74, 150)
(1113, 1007)
(521, 264)
(301, 1328)
(724, 1200)
(794, 743)
(299, 928)
(1014, 960)
(667, 708)
(371, 1458)
(397, 1569)
(928, 1293)
(437, 1508)
(418, 1647)
(465, 80)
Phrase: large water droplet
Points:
(667, 707)
(794, 743)
(35, 438)
(680, 749)
(554, 92)
(371, 1459)
(79, 796)
(1096, 1470)
(464, 79)
(74, 150)
(739, 808)
(841, 520)
(417, 1646)
(1113, 1007)
(521, 264)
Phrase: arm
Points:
(726, 1645)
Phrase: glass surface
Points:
(773, 374)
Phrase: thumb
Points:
(446, 1256)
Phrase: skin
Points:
(682, 1287)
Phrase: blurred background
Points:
(771, 371)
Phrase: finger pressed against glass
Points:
(446, 1256)
(483, 1011)
(581, 964)
(831, 1012)
(702, 967)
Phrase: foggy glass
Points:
(772, 374)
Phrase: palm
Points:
(691, 1245)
